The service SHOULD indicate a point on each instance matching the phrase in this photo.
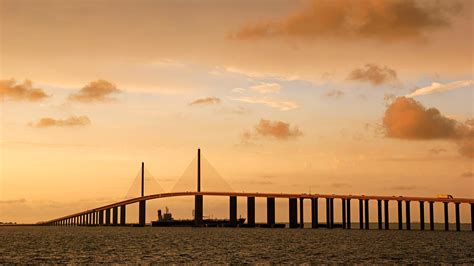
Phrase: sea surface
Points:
(30, 244)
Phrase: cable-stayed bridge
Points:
(115, 214)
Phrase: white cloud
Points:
(278, 104)
(438, 87)
(265, 88)
(239, 90)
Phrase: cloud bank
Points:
(206, 101)
(272, 129)
(96, 91)
(390, 20)
(72, 121)
(407, 119)
(438, 87)
(373, 73)
(11, 90)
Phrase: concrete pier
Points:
(301, 213)
(361, 214)
(115, 216)
(107, 217)
(366, 214)
(314, 213)
(472, 216)
(233, 211)
(379, 213)
(101, 217)
(198, 210)
(293, 212)
(407, 203)
(328, 213)
(458, 222)
(348, 225)
(400, 217)
(422, 215)
(387, 222)
(331, 200)
(251, 211)
(142, 213)
(123, 215)
(431, 215)
(343, 209)
(271, 212)
(446, 216)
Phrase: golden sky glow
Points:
(359, 97)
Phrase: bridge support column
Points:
(386, 214)
(472, 216)
(431, 216)
(142, 213)
(446, 216)
(458, 222)
(233, 211)
(198, 210)
(314, 213)
(331, 200)
(115, 216)
(361, 214)
(407, 203)
(422, 215)
(101, 217)
(270, 212)
(328, 213)
(123, 215)
(400, 215)
(107, 217)
(367, 214)
(293, 212)
(343, 209)
(379, 213)
(348, 225)
(89, 219)
(251, 211)
(301, 213)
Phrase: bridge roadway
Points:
(89, 216)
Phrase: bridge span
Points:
(96, 216)
(109, 214)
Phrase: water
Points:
(29, 244)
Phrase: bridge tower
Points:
(142, 203)
(198, 199)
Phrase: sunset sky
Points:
(352, 97)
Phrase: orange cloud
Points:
(273, 129)
(406, 118)
(206, 101)
(96, 91)
(10, 89)
(72, 121)
(389, 20)
(375, 74)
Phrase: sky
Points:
(345, 97)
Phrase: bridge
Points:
(95, 217)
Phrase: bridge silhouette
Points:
(108, 215)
